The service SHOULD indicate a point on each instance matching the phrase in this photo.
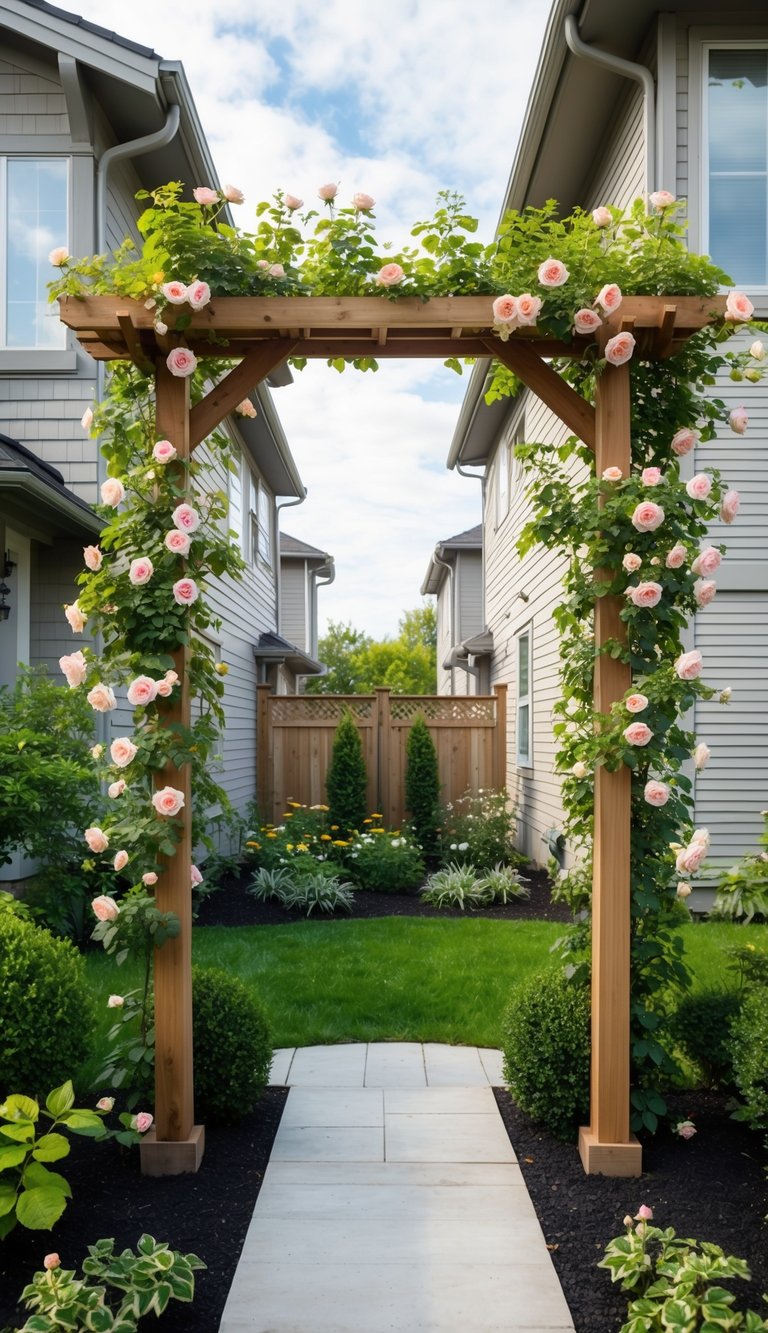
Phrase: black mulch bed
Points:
(712, 1188)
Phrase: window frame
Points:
(524, 759)
(257, 496)
(502, 473)
(32, 358)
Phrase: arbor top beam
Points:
(113, 328)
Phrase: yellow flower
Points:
(287, 814)
(334, 827)
(296, 804)
(251, 844)
(318, 807)
(271, 835)
(289, 846)
(375, 815)
(378, 830)
(221, 669)
(325, 837)
(158, 277)
(366, 821)
(301, 847)
(339, 842)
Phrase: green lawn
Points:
(393, 978)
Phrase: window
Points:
(33, 221)
(523, 727)
(502, 482)
(236, 500)
(735, 163)
(265, 526)
(259, 548)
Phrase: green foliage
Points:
(749, 962)
(546, 1045)
(743, 890)
(346, 780)
(502, 883)
(340, 649)
(303, 887)
(454, 886)
(675, 1283)
(48, 791)
(233, 1051)
(387, 862)
(357, 664)
(422, 786)
(749, 1051)
(701, 1026)
(129, 1065)
(478, 830)
(45, 1007)
(11, 906)
(115, 1291)
(30, 1193)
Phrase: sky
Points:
(400, 102)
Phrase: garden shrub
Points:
(453, 886)
(500, 884)
(701, 1026)
(546, 1045)
(346, 781)
(233, 1051)
(45, 1008)
(478, 829)
(743, 890)
(749, 1051)
(422, 787)
(383, 861)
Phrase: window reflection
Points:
(36, 214)
(737, 94)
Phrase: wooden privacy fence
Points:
(295, 740)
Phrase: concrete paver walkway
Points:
(393, 1201)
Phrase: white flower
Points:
(463, 846)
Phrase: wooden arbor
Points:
(260, 333)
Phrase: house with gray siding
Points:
(87, 118)
(628, 99)
(454, 578)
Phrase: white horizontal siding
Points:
(293, 603)
(469, 594)
(620, 176)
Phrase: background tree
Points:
(357, 664)
(347, 780)
(422, 786)
(339, 649)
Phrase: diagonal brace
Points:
(206, 415)
(524, 361)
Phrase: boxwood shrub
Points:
(232, 1046)
(546, 1046)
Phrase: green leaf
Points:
(40, 1208)
(61, 1099)
(8, 1194)
(12, 1156)
(37, 1175)
(50, 1148)
(82, 1121)
(17, 1107)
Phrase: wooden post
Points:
(606, 1146)
(175, 1144)
(383, 741)
(265, 794)
(500, 737)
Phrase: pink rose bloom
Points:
(51, 1261)
(123, 751)
(389, 275)
(181, 362)
(631, 562)
(186, 518)
(92, 557)
(676, 557)
(637, 733)
(115, 1001)
(262, 263)
(552, 273)
(738, 307)
(505, 309)
(105, 1103)
(602, 216)
(102, 698)
(75, 618)
(647, 517)
(586, 321)
(292, 202)
(142, 691)
(168, 801)
(86, 420)
(636, 703)
(233, 195)
(246, 408)
(164, 689)
(185, 592)
(699, 486)
(686, 1129)
(619, 349)
(580, 770)
(116, 789)
(328, 192)
(739, 420)
(163, 451)
(650, 476)
(644, 1213)
(58, 256)
(704, 591)
(75, 668)
(707, 561)
(656, 793)
(612, 474)
(121, 860)
(645, 594)
(195, 876)
(172, 677)
(702, 755)
(609, 297)
(97, 840)
(684, 441)
(198, 295)
(204, 196)
(700, 837)
(141, 571)
(661, 199)
(730, 506)
(112, 492)
(149, 878)
(142, 1122)
(276, 271)
(175, 292)
(688, 665)
(178, 542)
(97, 751)
(363, 202)
(690, 859)
(683, 890)
(528, 309)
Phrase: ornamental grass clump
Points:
(347, 780)
(454, 886)
(502, 884)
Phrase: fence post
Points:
(500, 737)
(265, 795)
(383, 753)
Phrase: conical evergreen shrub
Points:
(347, 781)
(422, 786)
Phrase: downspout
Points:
(328, 570)
(284, 504)
(629, 70)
